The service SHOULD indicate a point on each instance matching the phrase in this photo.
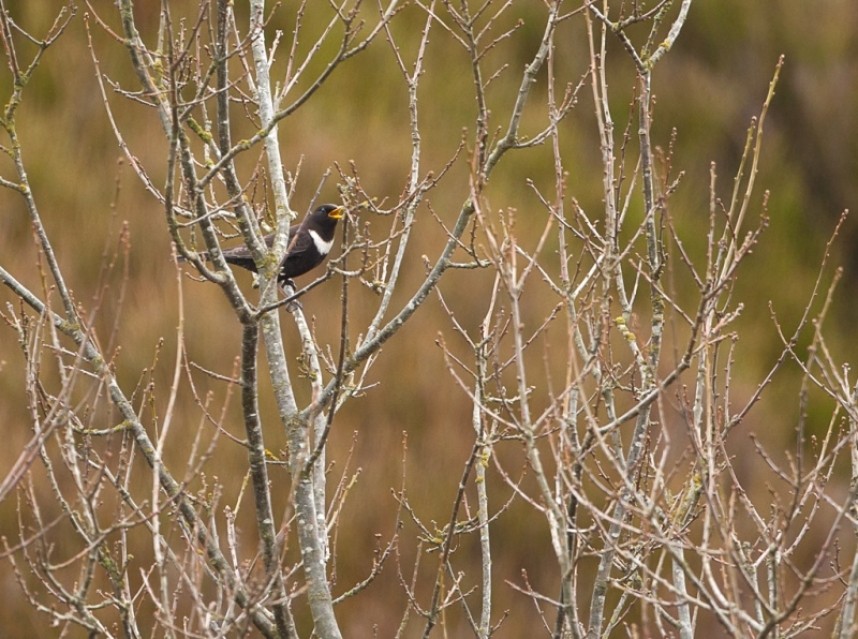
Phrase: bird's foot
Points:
(288, 287)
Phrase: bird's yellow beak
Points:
(337, 213)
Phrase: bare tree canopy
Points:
(518, 384)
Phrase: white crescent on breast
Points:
(321, 245)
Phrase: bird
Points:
(308, 246)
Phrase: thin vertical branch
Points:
(310, 538)
(261, 484)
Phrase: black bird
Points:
(309, 244)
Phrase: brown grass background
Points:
(707, 88)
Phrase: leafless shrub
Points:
(600, 373)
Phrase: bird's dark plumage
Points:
(309, 244)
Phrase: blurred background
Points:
(707, 90)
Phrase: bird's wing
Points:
(298, 242)
(240, 256)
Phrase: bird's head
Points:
(330, 211)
